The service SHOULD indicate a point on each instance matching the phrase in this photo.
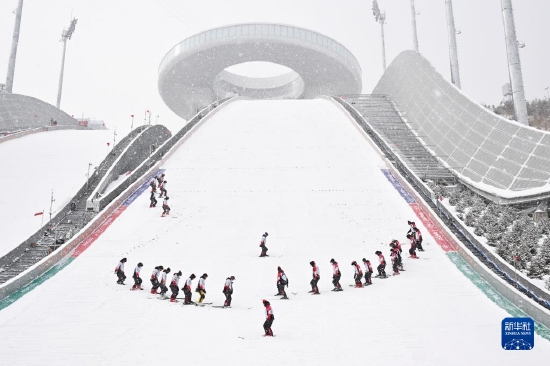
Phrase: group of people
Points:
(414, 235)
(158, 280)
(160, 182)
(159, 274)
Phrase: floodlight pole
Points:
(52, 200)
(65, 36)
(415, 36)
(380, 17)
(514, 64)
(14, 44)
(453, 52)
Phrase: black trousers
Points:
(281, 289)
(267, 326)
(358, 278)
(187, 294)
(336, 281)
(381, 269)
(155, 283)
(121, 276)
(175, 291)
(227, 298)
(137, 281)
(163, 191)
(264, 249)
(412, 251)
(367, 278)
(418, 244)
(313, 284)
(163, 289)
(395, 266)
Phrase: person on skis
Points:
(165, 207)
(174, 286)
(153, 186)
(368, 272)
(187, 289)
(418, 239)
(137, 278)
(163, 288)
(316, 277)
(282, 281)
(162, 188)
(228, 290)
(394, 261)
(160, 179)
(270, 317)
(381, 265)
(358, 275)
(155, 279)
(412, 250)
(262, 245)
(336, 275)
(119, 271)
(399, 261)
(201, 288)
(152, 199)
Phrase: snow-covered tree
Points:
(478, 205)
(507, 216)
(544, 252)
(530, 237)
(544, 226)
(469, 219)
(548, 284)
(536, 268)
(493, 234)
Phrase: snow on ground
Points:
(114, 184)
(300, 171)
(36, 164)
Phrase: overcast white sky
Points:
(112, 59)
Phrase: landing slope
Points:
(301, 171)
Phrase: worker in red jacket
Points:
(336, 274)
(316, 278)
(269, 319)
(381, 265)
(368, 272)
(228, 290)
(358, 275)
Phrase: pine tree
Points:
(544, 252)
(544, 226)
(536, 267)
(493, 234)
(469, 219)
(530, 237)
(548, 284)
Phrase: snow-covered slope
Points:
(33, 166)
(301, 171)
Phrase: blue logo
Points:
(518, 334)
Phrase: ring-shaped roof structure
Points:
(193, 73)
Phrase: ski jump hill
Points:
(317, 175)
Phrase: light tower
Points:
(380, 17)
(453, 52)
(415, 36)
(14, 44)
(65, 36)
(514, 64)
